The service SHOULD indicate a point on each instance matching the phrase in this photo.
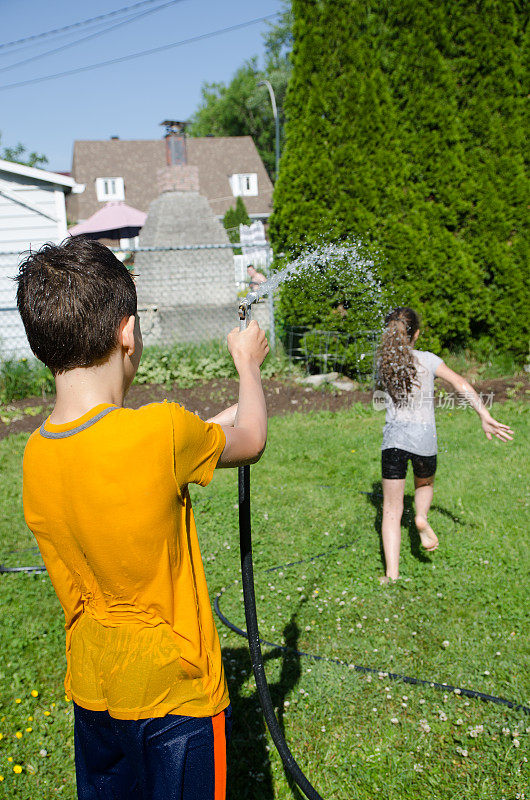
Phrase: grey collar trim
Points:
(73, 431)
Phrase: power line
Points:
(141, 53)
(60, 49)
(77, 24)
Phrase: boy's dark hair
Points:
(72, 298)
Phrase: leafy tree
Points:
(405, 127)
(241, 108)
(233, 218)
(19, 154)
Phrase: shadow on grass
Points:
(249, 770)
(407, 521)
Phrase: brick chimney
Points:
(175, 137)
(178, 175)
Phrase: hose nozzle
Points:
(245, 307)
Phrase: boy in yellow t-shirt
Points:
(106, 496)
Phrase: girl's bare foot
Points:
(429, 539)
(384, 580)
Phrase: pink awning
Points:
(112, 217)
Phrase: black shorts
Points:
(394, 464)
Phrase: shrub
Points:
(186, 365)
(233, 218)
(24, 378)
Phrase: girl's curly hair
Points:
(396, 371)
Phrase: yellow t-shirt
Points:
(106, 497)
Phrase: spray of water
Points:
(350, 263)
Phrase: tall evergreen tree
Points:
(405, 126)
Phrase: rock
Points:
(319, 380)
(345, 385)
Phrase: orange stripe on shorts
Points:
(219, 755)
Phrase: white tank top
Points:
(411, 426)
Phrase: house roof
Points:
(112, 217)
(37, 174)
(137, 162)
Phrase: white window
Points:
(244, 184)
(110, 189)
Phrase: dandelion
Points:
(34, 693)
(10, 758)
(1, 777)
(28, 730)
(17, 769)
(47, 713)
(18, 700)
(18, 734)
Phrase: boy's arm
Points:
(490, 426)
(245, 441)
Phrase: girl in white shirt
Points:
(407, 377)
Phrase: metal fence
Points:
(333, 351)
(13, 342)
(190, 294)
(185, 294)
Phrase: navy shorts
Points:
(161, 758)
(394, 464)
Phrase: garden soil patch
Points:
(207, 399)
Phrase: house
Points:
(126, 171)
(32, 212)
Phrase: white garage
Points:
(32, 212)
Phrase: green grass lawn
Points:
(458, 616)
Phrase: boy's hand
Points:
(248, 347)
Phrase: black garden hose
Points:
(247, 579)
(256, 656)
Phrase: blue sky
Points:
(130, 99)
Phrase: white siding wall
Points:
(22, 227)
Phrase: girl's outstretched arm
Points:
(490, 426)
